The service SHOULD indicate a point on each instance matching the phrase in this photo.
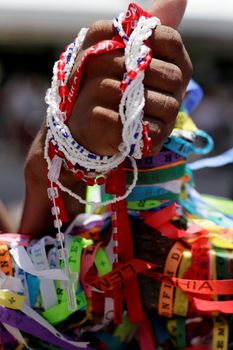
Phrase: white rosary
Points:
(137, 58)
(130, 111)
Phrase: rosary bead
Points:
(123, 85)
(147, 146)
(61, 75)
(90, 181)
(63, 91)
(145, 127)
(57, 223)
(116, 250)
(149, 142)
(60, 236)
(55, 210)
(62, 106)
(100, 180)
(132, 74)
(52, 192)
(114, 223)
(79, 175)
(62, 253)
(114, 230)
(142, 66)
(61, 64)
(115, 236)
(148, 58)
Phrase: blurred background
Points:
(33, 33)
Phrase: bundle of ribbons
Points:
(154, 271)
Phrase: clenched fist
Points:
(95, 122)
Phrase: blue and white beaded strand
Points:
(54, 100)
(132, 101)
(77, 155)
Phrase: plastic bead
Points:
(100, 180)
(62, 254)
(145, 127)
(116, 250)
(148, 142)
(61, 75)
(90, 181)
(132, 74)
(147, 146)
(52, 192)
(55, 210)
(114, 223)
(60, 236)
(143, 65)
(69, 164)
(62, 106)
(61, 65)
(57, 223)
(63, 91)
(79, 175)
(123, 85)
(115, 236)
(148, 58)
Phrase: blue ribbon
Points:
(193, 97)
(185, 148)
(213, 162)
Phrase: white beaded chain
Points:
(133, 100)
(52, 97)
(130, 110)
(59, 135)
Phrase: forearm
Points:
(37, 219)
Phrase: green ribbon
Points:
(222, 204)
(102, 262)
(124, 329)
(158, 176)
(144, 204)
(60, 312)
(180, 333)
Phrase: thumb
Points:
(170, 12)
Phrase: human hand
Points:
(94, 121)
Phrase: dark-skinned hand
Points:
(95, 122)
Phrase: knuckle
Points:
(106, 124)
(104, 90)
(174, 38)
(110, 64)
(95, 28)
(171, 106)
(176, 76)
(97, 31)
(96, 112)
(177, 41)
(108, 83)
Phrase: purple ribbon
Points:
(6, 339)
(162, 158)
(28, 325)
